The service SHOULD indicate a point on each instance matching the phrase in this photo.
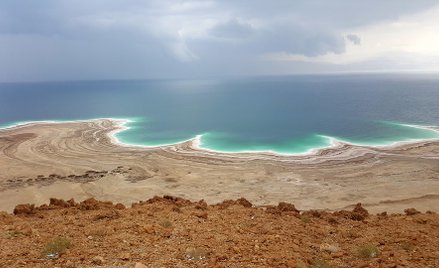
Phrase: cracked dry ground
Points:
(173, 232)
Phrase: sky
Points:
(158, 39)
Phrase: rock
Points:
(202, 214)
(284, 206)
(70, 264)
(360, 212)
(54, 202)
(382, 214)
(89, 204)
(201, 205)
(291, 263)
(125, 256)
(24, 209)
(330, 248)
(357, 214)
(26, 229)
(139, 265)
(93, 204)
(411, 211)
(244, 202)
(149, 229)
(98, 260)
(119, 206)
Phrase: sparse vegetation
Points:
(166, 223)
(408, 246)
(319, 262)
(301, 264)
(195, 254)
(368, 251)
(305, 218)
(57, 246)
(99, 232)
(13, 234)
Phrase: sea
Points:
(281, 114)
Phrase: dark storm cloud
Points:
(71, 39)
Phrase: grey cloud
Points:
(62, 39)
(355, 39)
(234, 29)
(337, 13)
(308, 42)
(278, 38)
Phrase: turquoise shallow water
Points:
(222, 142)
(289, 115)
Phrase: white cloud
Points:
(355, 39)
(411, 40)
(182, 52)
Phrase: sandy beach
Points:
(81, 160)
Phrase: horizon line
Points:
(365, 72)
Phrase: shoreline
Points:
(196, 143)
(81, 159)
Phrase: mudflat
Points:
(81, 160)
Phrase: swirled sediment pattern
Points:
(82, 159)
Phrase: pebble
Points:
(70, 264)
(139, 265)
(125, 256)
(329, 248)
(98, 260)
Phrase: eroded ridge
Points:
(174, 232)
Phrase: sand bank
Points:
(83, 159)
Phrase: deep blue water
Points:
(285, 114)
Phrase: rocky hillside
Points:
(173, 232)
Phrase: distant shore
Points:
(83, 159)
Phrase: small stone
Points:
(139, 265)
(70, 264)
(125, 256)
(202, 205)
(98, 260)
(149, 229)
(202, 214)
(291, 263)
(338, 255)
(236, 250)
(329, 248)
(120, 206)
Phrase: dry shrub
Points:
(368, 251)
(57, 246)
